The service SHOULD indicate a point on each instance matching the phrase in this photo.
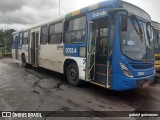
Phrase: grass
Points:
(7, 55)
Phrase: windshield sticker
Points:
(124, 42)
(131, 42)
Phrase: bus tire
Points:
(72, 74)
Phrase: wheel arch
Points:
(67, 62)
(23, 57)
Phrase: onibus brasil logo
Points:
(21, 114)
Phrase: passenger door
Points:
(34, 43)
(90, 68)
(99, 51)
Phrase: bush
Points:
(7, 55)
(1, 54)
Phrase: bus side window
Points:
(44, 35)
(75, 30)
(13, 40)
(55, 34)
(25, 38)
(17, 39)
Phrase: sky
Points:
(19, 14)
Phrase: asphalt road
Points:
(35, 89)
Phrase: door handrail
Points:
(92, 52)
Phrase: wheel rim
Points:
(72, 74)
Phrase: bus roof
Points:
(107, 4)
(111, 4)
(53, 20)
(156, 25)
(16, 32)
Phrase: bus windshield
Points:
(137, 41)
(157, 41)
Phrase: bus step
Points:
(103, 65)
(100, 77)
(100, 83)
(101, 68)
(100, 73)
(101, 59)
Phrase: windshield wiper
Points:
(132, 20)
(148, 35)
(140, 29)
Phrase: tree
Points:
(1, 38)
(6, 39)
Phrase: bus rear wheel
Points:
(23, 58)
(72, 74)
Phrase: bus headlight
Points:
(125, 70)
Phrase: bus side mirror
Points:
(124, 23)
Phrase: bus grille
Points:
(142, 66)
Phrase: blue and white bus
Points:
(109, 44)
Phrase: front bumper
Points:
(121, 82)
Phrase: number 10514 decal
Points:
(71, 50)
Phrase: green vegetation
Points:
(6, 42)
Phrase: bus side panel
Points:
(19, 54)
(51, 57)
(56, 57)
(25, 51)
(43, 56)
(13, 53)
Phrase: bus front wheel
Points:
(72, 74)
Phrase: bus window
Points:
(79, 23)
(71, 24)
(14, 40)
(44, 35)
(17, 39)
(102, 36)
(25, 38)
(55, 34)
(75, 30)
